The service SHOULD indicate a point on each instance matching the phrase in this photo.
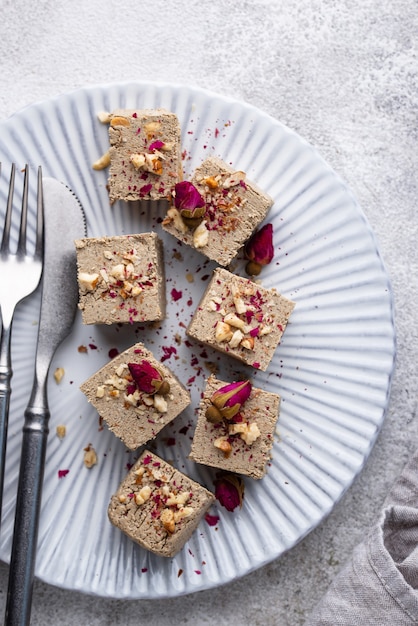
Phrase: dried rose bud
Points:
(148, 379)
(229, 399)
(189, 203)
(213, 415)
(259, 249)
(229, 491)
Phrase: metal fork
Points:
(20, 273)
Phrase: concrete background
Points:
(343, 74)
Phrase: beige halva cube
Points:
(241, 318)
(157, 506)
(133, 415)
(121, 279)
(243, 444)
(234, 208)
(145, 154)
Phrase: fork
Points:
(20, 274)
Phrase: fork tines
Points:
(22, 241)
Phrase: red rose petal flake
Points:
(168, 352)
(145, 189)
(212, 520)
(156, 145)
(62, 473)
(176, 295)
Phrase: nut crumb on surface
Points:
(90, 456)
(61, 431)
(59, 374)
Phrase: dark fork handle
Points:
(5, 378)
(28, 504)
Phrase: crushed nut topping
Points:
(245, 315)
(88, 282)
(118, 120)
(201, 235)
(152, 163)
(119, 276)
(249, 432)
(223, 444)
(169, 503)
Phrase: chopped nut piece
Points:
(147, 162)
(178, 499)
(59, 374)
(184, 511)
(201, 235)
(236, 339)
(211, 182)
(61, 431)
(118, 271)
(223, 444)
(174, 216)
(151, 128)
(87, 282)
(102, 162)
(118, 120)
(100, 391)
(234, 320)
(251, 434)
(104, 117)
(248, 432)
(138, 160)
(248, 343)
(167, 519)
(143, 495)
(223, 332)
(160, 404)
(239, 303)
(90, 457)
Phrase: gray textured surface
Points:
(343, 74)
